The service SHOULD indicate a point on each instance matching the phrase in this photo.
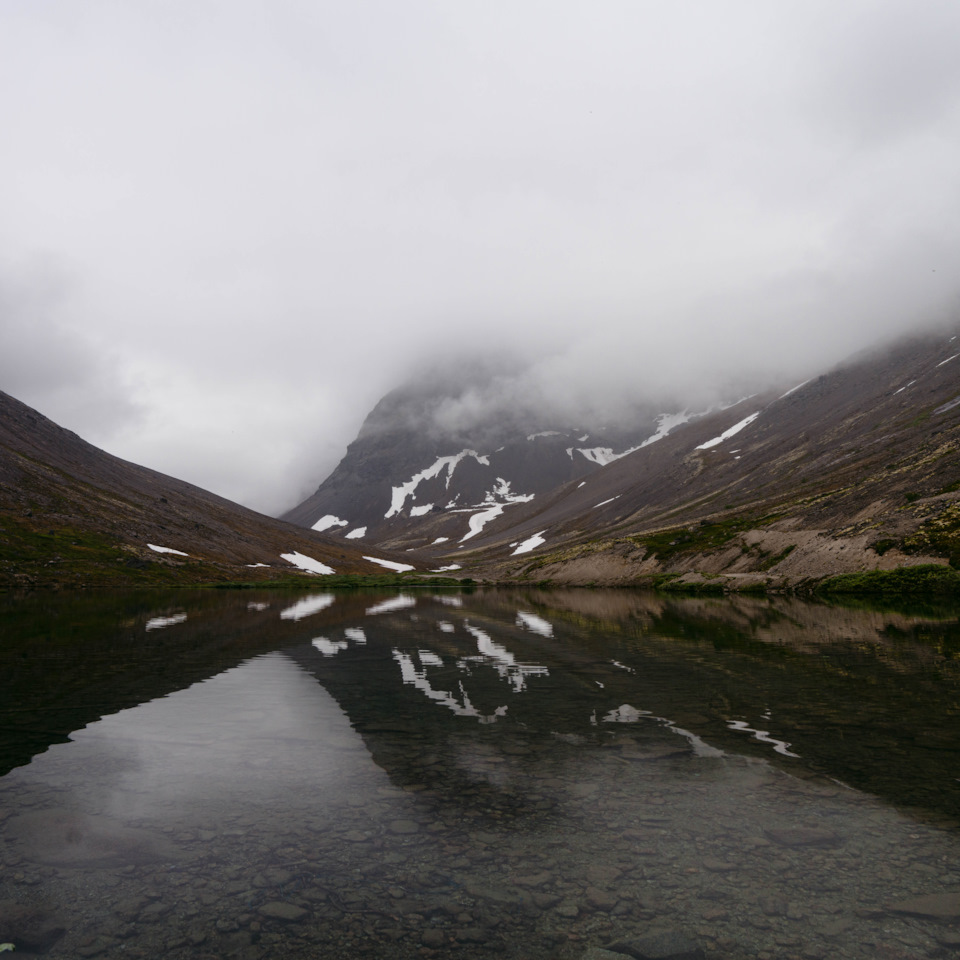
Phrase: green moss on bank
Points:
(927, 580)
(346, 581)
(670, 583)
(703, 538)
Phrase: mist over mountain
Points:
(230, 229)
(489, 431)
(468, 466)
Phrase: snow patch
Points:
(402, 602)
(391, 564)
(531, 543)
(399, 494)
(940, 364)
(355, 634)
(494, 503)
(304, 562)
(446, 627)
(453, 566)
(254, 565)
(534, 624)
(356, 534)
(440, 540)
(665, 423)
(582, 483)
(599, 455)
(179, 553)
(947, 406)
(308, 606)
(793, 389)
(910, 384)
(479, 520)
(546, 433)
(158, 623)
(325, 523)
(602, 502)
(421, 511)
(733, 403)
(736, 428)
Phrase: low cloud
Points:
(230, 229)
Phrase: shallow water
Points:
(524, 773)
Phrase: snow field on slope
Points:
(399, 494)
(304, 562)
(531, 543)
(391, 564)
(325, 523)
(157, 549)
(604, 455)
(492, 507)
(727, 434)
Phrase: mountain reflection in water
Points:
(534, 772)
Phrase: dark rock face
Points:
(72, 514)
(392, 481)
(853, 470)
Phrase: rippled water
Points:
(531, 774)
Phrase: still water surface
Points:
(519, 773)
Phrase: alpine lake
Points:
(497, 773)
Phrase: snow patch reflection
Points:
(779, 746)
(534, 624)
(157, 623)
(329, 648)
(402, 602)
(417, 677)
(504, 661)
(308, 606)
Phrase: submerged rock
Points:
(663, 945)
(937, 906)
(802, 837)
(280, 910)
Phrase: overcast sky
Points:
(228, 227)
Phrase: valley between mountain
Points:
(846, 483)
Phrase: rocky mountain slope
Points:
(853, 470)
(73, 514)
(410, 479)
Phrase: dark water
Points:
(516, 773)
